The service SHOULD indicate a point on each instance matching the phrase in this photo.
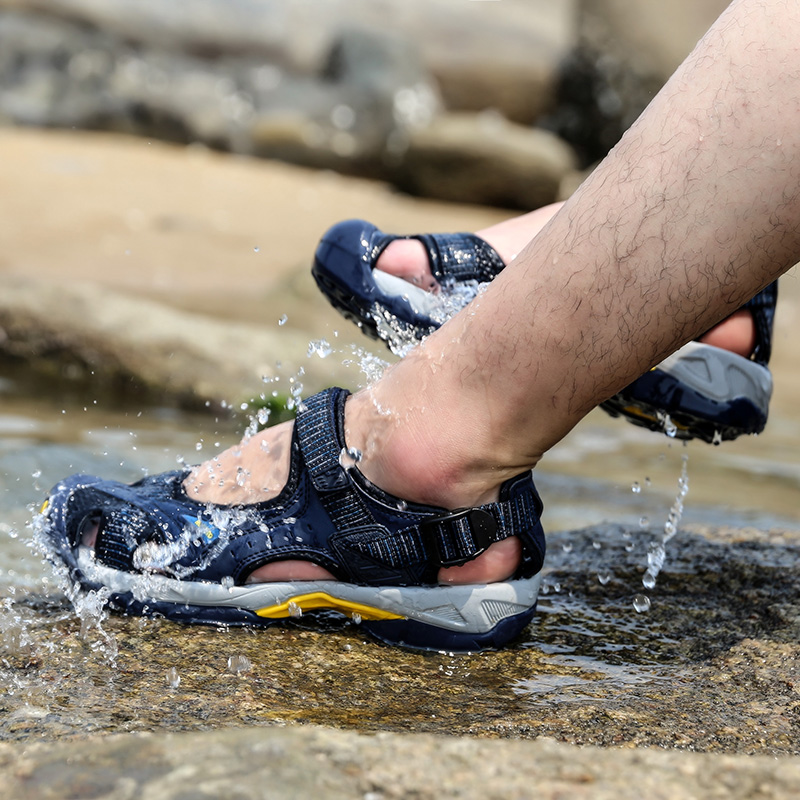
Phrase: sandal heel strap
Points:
(431, 537)
(457, 538)
(762, 307)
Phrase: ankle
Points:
(413, 457)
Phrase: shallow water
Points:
(591, 668)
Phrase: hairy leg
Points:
(407, 259)
(691, 214)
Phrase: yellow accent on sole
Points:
(44, 506)
(307, 602)
(633, 411)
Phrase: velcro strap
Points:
(453, 539)
(461, 536)
(461, 257)
(318, 425)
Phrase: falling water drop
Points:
(239, 664)
(173, 678)
(641, 603)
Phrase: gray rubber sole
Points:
(473, 609)
(720, 375)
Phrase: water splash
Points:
(439, 307)
(641, 603)
(319, 347)
(349, 457)
(239, 664)
(173, 678)
(656, 554)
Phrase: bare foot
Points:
(257, 469)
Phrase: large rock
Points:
(484, 158)
(339, 85)
(62, 73)
(297, 762)
(626, 50)
(485, 55)
(91, 333)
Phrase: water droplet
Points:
(37, 473)
(239, 664)
(641, 603)
(670, 428)
(644, 522)
(649, 580)
(283, 320)
(256, 249)
(567, 547)
(647, 482)
(597, 545)
(604, 576)
(349, 457)
(636, 488)
(198, 446)
(402, 505)
(356, 618)
(320, 347)
(227, 583)
(173, 678)
(294, 610)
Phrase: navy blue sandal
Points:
(388, 308)
(699, 392)
(704, 392)
(158, 552)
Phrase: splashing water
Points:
(238, 664)
(641, 603)
(349, 457)
(173, 678)
(656, 554)
(319, 347)
(451, 298)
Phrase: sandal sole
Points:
(708, 393)
(453, 618)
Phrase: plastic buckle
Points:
(482, 525)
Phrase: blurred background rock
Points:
(484, 102)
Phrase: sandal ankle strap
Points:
(445, 539)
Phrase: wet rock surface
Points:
(303, 762)
(711, 666)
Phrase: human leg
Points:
(694, 212)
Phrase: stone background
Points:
(471, 101)
(131, 260)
